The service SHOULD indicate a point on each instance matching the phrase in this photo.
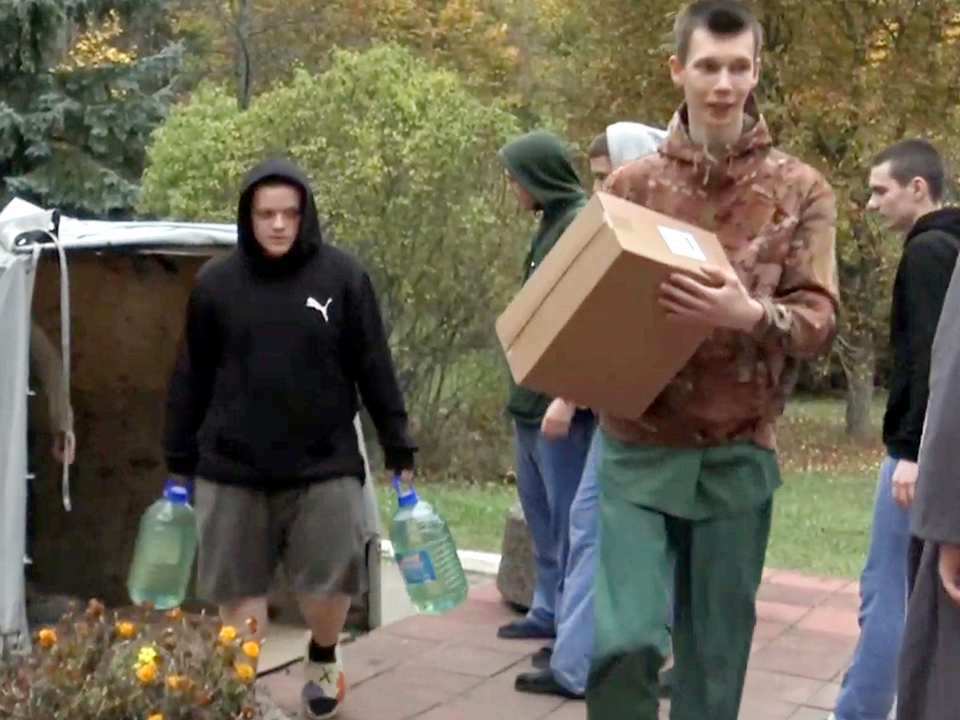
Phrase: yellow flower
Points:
(48, 637)
(126, 630)
(251, 649)
(147, 655)
(246, 672)
(158, 716)
(173, 682)
(228, 634)
(147, 673)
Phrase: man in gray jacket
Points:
(930, 652)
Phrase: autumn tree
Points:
(79, 103)
(844, 80)
(255, 43)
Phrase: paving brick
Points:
(788, 594)
(284, 687)
(825, 698)
(448, 629)
(425, 675)
(390, 697)
(569, 711)
(378, 652)
(852, 588)
(753, 708)
(832, 620)
(469, 659)
(806, 713)
(844, 601)
(767, 630)
(811, 582)
(780, 612)
(805, 653)
(766, 685)
(497, 697)
(486, 592)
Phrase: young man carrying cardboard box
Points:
(693, 479)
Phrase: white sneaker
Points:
(326, 688)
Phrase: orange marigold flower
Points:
(147, 673)
(173, 682)
(48, 637)
(251, 648)
(157, 716)
(245, 672)
(126, 630)
(228, 634)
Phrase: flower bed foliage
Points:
(142, 665)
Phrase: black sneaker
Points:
(541, 658)
(525, 629)
(543, 683)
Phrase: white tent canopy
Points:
(26, 231)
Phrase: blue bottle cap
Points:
(405, 499)
(176, 493)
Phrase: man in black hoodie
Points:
(280, 335)
(907, 185)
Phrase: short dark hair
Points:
(599, 147)
(914, 158)
(724, 18)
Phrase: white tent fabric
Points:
(16, 288)
(20, 219)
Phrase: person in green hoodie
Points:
(552, 436)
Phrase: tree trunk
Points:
(244, 61)
(859, 367)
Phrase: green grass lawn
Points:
(822, 513)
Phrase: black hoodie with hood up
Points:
(923, 276)
(264, 391)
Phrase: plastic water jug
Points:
(426, 554)
(165, 551)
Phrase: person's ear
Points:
(677, 70)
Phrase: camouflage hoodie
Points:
(776, 218)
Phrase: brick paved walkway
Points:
(454, 668)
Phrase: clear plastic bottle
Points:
(165, 550)
(426, 555)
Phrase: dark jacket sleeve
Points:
(928, 263)
(936, 509)
(370, 361)
(191, 384)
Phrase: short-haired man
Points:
(280, 335)
(906, 185)
(692, 481)
(620, 143)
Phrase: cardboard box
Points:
(587, 326)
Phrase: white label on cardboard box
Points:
(681, 243)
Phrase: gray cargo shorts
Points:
(316, 533)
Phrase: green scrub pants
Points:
(718, 542)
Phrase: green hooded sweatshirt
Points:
(541, 164)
